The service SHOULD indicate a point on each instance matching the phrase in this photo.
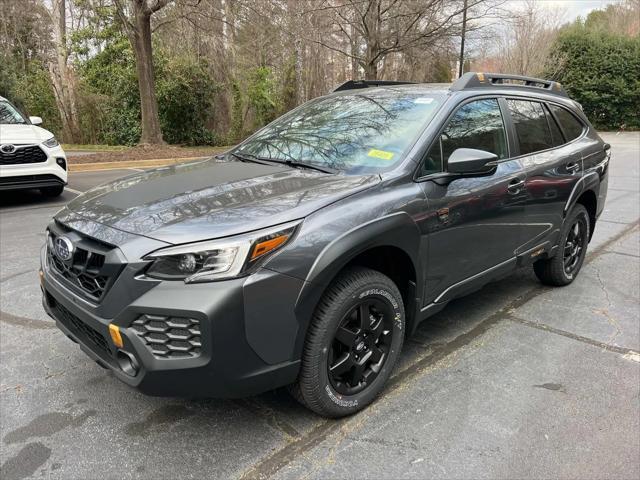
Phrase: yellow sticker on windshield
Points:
(380, 154)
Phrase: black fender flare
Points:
(393, 230)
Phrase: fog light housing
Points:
(62, 163)
(128, 363)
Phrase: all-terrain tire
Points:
(553, 271)
(354, 287)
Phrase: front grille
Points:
(83, 271)
(47, 179)
(22, 155)
(80, 328)
(169, 337)
(87, 271)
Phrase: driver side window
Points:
(476, 125)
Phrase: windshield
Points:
(9, 115)
(355, 133)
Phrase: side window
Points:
(531, 125)
(556, 134)
(477, 125)
(571, 126)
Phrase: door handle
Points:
(572, 167)
(515, 186)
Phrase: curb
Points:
(159, 162)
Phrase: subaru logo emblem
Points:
(7, 148)
(63, 248)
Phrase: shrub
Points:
(601, 71)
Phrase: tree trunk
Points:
(462, 39)
(62, 77)
(371, 70)
(300, 97)
(141, 42)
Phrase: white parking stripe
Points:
(72, 190)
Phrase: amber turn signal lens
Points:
(267, 246)
(114, 331)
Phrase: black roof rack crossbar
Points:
(484, 80)
(355, 84)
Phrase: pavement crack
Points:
(573, 336)
(605, 311)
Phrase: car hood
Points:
(212, 199)
(21, 134)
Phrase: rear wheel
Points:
(52, 191)
(353, 343)
(564, 267)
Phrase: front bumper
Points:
(247, 332)
(35, 175)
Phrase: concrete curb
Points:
(159, 162)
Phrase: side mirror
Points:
(35, 120)
(470, 160)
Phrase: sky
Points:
(573, 8)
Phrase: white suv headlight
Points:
(218, 259)
(51, 143)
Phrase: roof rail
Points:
(355, 84)
(486, 80)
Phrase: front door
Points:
(473, 222)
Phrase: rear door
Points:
(552, 165)
(473, 222)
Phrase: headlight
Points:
(218, 259)
(51, 143)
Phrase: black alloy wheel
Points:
(563, 267)
(360, 346)
(575, 243)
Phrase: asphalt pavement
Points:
(515, 381)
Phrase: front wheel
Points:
(564, 267)
(354, 340)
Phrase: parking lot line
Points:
(73, 190)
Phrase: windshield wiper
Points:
(247, 157)
(290, 163)
(312, 166)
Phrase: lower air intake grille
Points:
(169, 337)
(77, 326)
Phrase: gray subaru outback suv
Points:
(307, 254)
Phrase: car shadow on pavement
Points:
(32, 198)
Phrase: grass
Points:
(73, 147)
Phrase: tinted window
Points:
(531, 125)
(556, 134)
(355, 133)
(475, 125)
(571, 126)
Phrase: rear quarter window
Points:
(571, 126)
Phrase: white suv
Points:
(30, 156)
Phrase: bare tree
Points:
(386, 27)
(136, 18)
(63, 78)
(524, 47)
